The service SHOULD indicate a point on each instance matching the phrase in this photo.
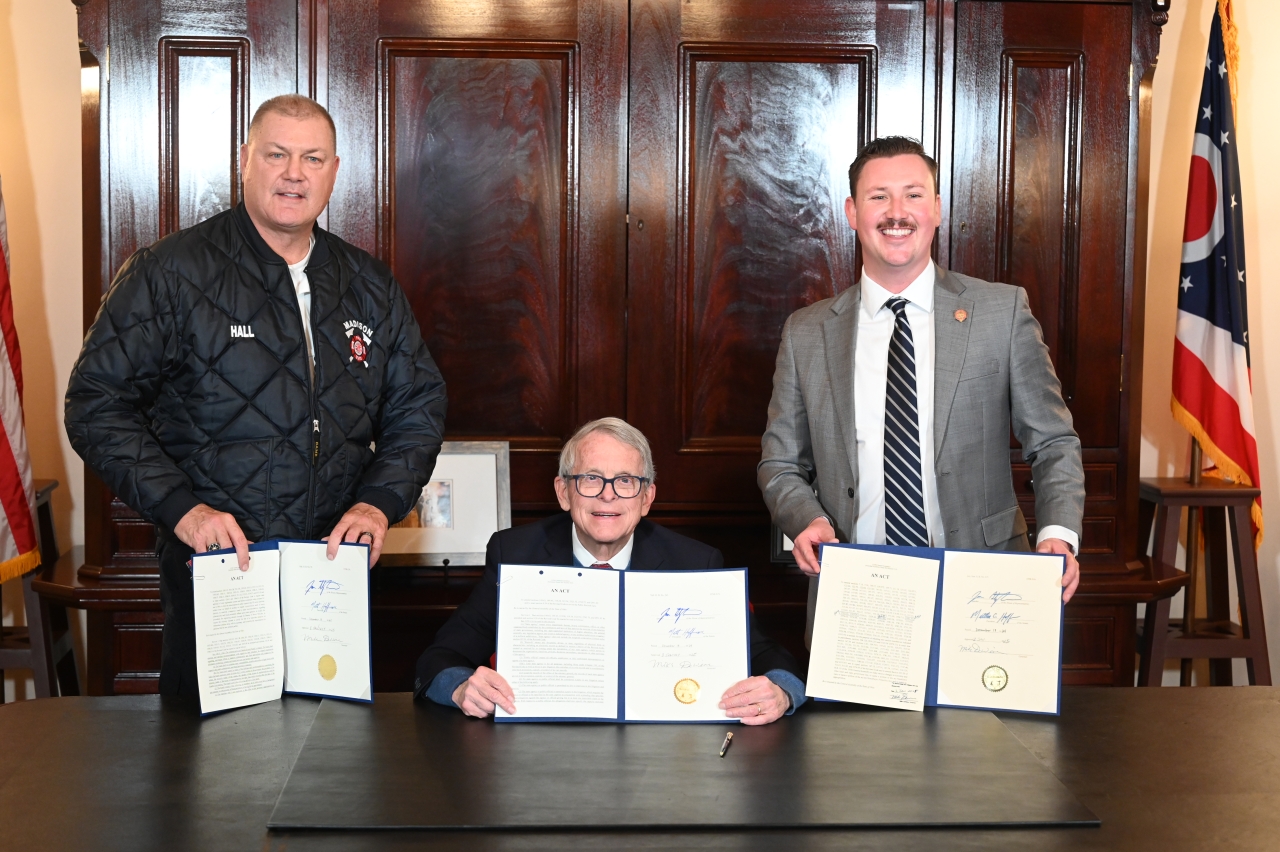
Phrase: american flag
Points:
(18, 550)
(1212, 388)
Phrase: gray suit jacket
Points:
(991, 371)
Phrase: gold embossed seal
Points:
(328, 667)
(686, 690)
(995, 678)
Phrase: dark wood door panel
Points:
(764, 233)
(1040, 170)
(498, 165)
(478, 156)
(744, 119)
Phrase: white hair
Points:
(614, 427)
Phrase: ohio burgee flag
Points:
(1212, 389)
(18, 551)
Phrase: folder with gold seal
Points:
(591, 644)
(914, 627)
(294, 621)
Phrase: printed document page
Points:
(239, 654)
(872, 626)
(324, 613)
(558, 641)
(685, 641)
(1000, 631)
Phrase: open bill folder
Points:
(923, 627)
(591, 644)
(294, 622)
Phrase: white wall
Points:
(1165, 445)
(40, 167)
(40, 156)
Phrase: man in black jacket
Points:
(606, 486)
(254, 377)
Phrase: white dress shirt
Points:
(870, 372)
(871, 368)
(619, 562)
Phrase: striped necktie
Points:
(904, 518)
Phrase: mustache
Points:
(889, 222)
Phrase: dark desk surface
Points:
(1163, 768)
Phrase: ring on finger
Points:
(213, 545)
(363, 534)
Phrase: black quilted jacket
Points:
(193, 385)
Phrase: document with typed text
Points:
(872, 627)
(558, 641)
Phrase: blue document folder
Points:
(992, 675)
(314, 621)
(686, 687)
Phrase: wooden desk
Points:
(142, 772)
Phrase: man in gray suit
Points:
(842, 456)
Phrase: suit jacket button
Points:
(850, 493)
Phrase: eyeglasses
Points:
(625, 486)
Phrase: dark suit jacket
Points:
(470, 637)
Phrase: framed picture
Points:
(780, 547)
(467, 500)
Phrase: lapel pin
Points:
(961, 315)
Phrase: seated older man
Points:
(606, 486)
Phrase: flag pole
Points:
(1193, 554)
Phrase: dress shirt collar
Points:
(918, 292)
(619, 562)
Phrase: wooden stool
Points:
(1216, 637)
(44, 645)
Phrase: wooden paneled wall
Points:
(609, 207)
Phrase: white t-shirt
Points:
(302, 286)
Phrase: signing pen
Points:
(728, 738)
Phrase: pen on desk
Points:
(728, 738)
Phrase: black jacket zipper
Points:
(315, 415)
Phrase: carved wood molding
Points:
(1029, 173)
(173, 50)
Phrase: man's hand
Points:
(1071, 577)
(477, 695)
(805, 551)
(205, 528)
(755, 701)
(362, 522)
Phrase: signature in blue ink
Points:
(684, 632)
(678, 613)
(322, 586)
(997, 598)
(323, 606)
(986, 615)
